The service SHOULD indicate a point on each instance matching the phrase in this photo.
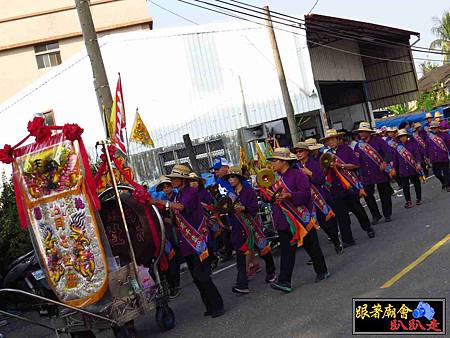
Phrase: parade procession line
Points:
(419, 260)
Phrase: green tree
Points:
(399, 109)
(442, 30)
(427, 66)
(14, 241)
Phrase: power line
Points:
(295, 33)
(318, 25)
(242, 35)
(176, 14)
(298, 23)
(314, 6)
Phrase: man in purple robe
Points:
(296, 196)
(375, 156)
(407, 166)
(443, 124)
(190, 215)
(438, 145)
(428, 120)
(173, 272)
(310, 166)
(343, 200)
(246, 210)
(420, 137)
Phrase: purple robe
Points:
(247, 198)
(404, 168)
(423, 149)
(318, 176)
(205, 196)
(444, 125)
(434, 152)
(300, 188)
(370, 171)
(192, 212)
(346, 154)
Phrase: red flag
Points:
(118, 121)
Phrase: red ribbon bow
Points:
(72, 131)
(141, 195)
(6, 154)
(38, 129)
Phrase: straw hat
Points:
(235, 171)
(434, 124)
(402, 132)
(417, 125)
(428, 116)
(313, 145)
(391, 129)
(438, 114)
(331, 133)
(300, 145)
(282, 154)
(197, 178)
(364, 126)
(180, 171)
(162, 180)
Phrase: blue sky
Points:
(415, 15)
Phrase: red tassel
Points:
(91, 186)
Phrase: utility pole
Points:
(101, 85)
(282, 79)
(191, 153)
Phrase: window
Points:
(47, 55)
(49, 117)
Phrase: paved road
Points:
(325, 309)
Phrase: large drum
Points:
(142, 241)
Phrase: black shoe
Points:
(346, 245)
(218, 313)
(388, 219)
(371, 233)
(310, 262)
(207, 313)
(339, 249)
(322, 276)
(376, 220)
(174, 292)
(241, 291)
(271, 277)
(285, 287)
(214, 263)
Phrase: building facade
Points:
(214, 81)
(39, 35)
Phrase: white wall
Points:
(158, 77)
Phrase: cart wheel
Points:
(126, 331)
(165, 318)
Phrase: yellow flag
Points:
(259, 153)
(139, 133)
(242, 158)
